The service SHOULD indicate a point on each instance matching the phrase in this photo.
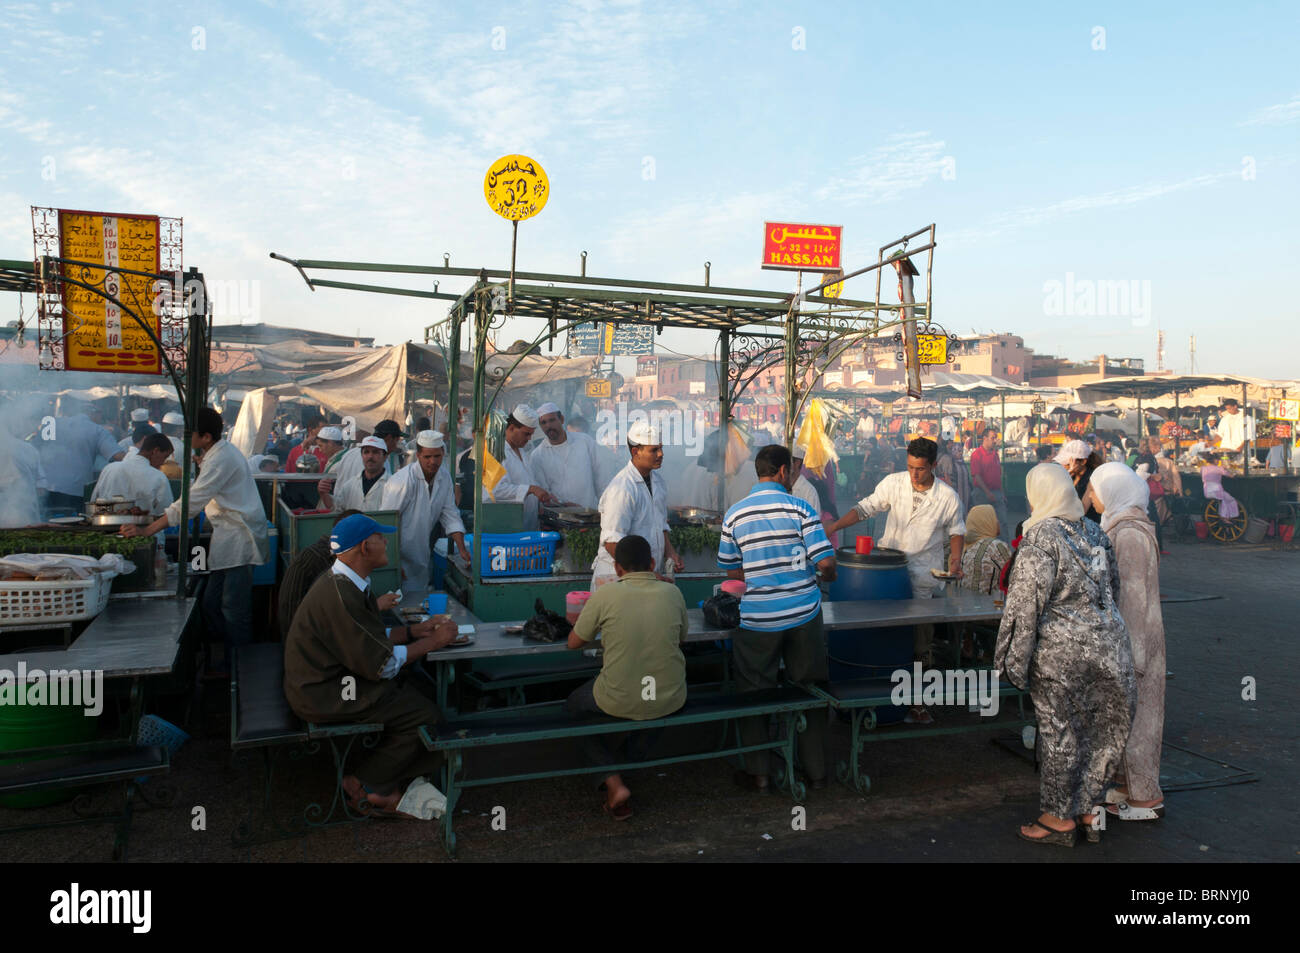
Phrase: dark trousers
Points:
(756, 657)
(604, 750)
(228, 606)
(400, 754)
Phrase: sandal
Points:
(1117, 795)
(918, 716)
(620, 813)
(1127, 812)
(1091, 829)
(1060, 838)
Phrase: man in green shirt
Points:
(642, 624)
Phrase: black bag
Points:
(722, 611)
(546, 626)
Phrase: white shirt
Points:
(351, 495)
(398, 658)
(920, 532)
(351, 465)
(628, 508)
(135, 479)
(806, 492)
(513, 487)
(226, 494)
(1233, 430)
(68, 461)
(569, 470)
(420, 504)
(20, 470)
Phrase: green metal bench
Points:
(83, 765)
(550, 722)
(261, 720)
(860, 698)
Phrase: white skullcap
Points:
(330, 433)
(546, 408)
(140, 415)
(643, 435)
(172, 417)
(429, 439)
(524, 415)
(375, 442)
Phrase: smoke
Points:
(20, 417)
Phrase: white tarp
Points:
(369, 389)
(253, 427)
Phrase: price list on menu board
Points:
(100, 336)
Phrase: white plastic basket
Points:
(27, 602)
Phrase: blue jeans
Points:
(228, 606)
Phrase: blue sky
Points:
(1163, 151)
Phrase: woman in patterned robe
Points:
(1063, 639)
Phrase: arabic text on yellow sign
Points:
(100, 336)
(932, 348)
(516, 187)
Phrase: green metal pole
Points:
(724, 415)
(482, 320)
(791, 351)
(453, 388)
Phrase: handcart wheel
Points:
(1225, 530)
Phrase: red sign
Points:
(795, 246)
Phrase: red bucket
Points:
(1202, 530)
(1286, 532)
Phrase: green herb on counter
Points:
(694, 539)
(580, 548)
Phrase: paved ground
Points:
(946, 798)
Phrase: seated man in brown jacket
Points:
(340, 663)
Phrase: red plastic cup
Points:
(865, 544)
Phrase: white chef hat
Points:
(643, 435)
(172, 417)
(330, 433)
(547, 408)
(140, 415)
(375, 442)
(430, 439)
(524, 415)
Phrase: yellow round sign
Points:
(516, 187)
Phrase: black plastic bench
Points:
(261, 719)
(80, 766)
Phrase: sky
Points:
(1078, 159)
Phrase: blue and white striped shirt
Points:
(778, 540)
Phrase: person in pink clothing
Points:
(1212, 481)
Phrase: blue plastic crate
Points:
(525, 554)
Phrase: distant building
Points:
(274, 334)
(1051, 371)
(992, 355)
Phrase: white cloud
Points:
(905, 163)
(1281, 114)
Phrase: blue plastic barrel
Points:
(870, 653)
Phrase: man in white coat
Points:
(922, 512)
(519, 485)
(566, 464)
(139, 477)
(363, 491)
(802, 488)
(422, 494)
(138, 416)
(173, 427)
(350, 464)
(226, 494)
(636, 504)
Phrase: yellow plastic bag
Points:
(820, 449)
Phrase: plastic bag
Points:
(722, 611)
(546, 626)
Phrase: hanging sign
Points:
(837, 289)
(932, 348)
(1284, 409)
(1039, 407)
(794, 246)
(599, 387)
(516, 187)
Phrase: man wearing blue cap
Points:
(340, 663)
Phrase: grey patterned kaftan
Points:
(1062, 638)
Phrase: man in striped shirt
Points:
(775, 543)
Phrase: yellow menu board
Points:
(932, 348)
(99, 335)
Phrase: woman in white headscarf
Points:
(1120, 496)
(1062, 638)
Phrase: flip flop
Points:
(918, 716)
(620, 813)
(1059, 838)
(1127, 812)
(1116, 796)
